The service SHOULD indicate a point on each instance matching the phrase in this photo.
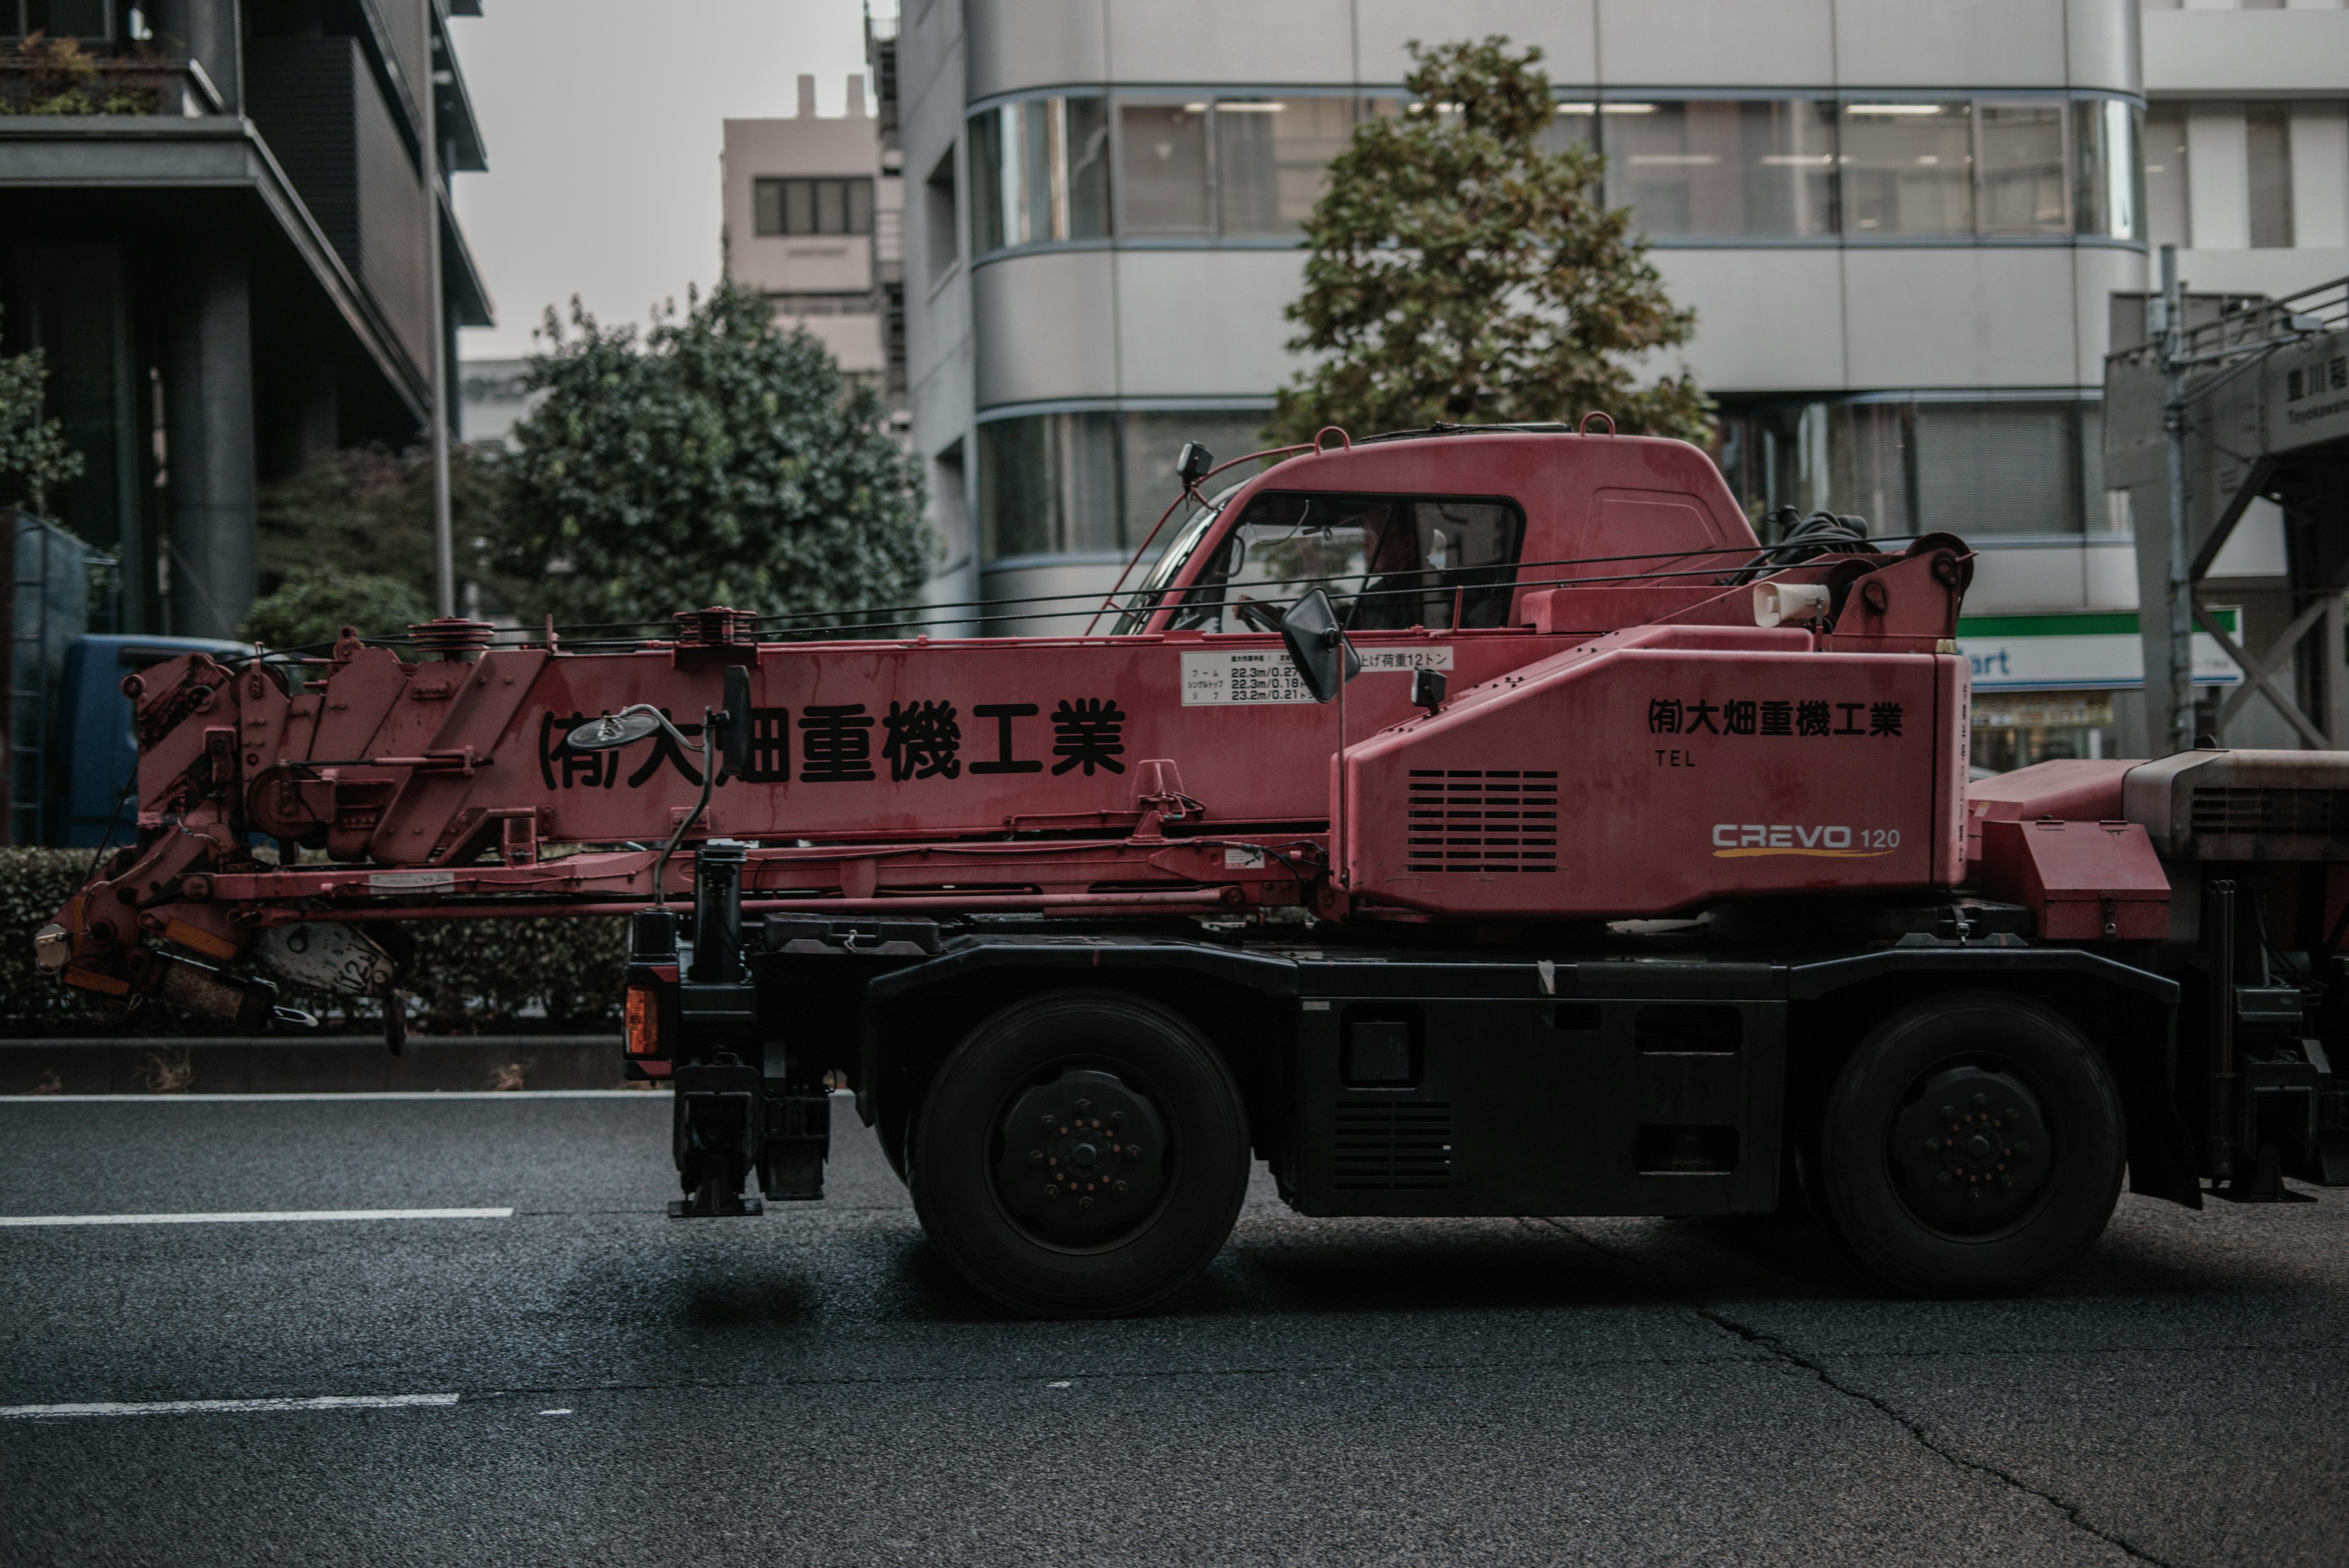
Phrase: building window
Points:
(58, 18)
(1039, 173)
(1907, 169)
(811, 207)
(1091, 482)
(1162, 169)
(2168, 195)
(939, 217)
(2019, 160)
(1723, 167)
(803, 305)
(1272, 161)
(1976, 468)
(2108, 192)
(2267, 146)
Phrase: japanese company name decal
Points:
(1673, 716)
(836, 744)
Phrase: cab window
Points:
(1388, 561)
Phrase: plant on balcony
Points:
(33, 456)
(46, 76)
(1461, 271)
(717, 460)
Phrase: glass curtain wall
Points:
(2017, 467)
(1724, 168)
(1907, 169)
(1092, 484)
(1272, 161)
(1039, 172)
(1217, 167)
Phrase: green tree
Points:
(1463, 270)
(369, 511)
(314, 602)
(717, 461)
(33, 452)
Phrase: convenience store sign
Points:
(2098, 651)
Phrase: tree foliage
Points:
(314, 602)
(719, 461)
(367, 511)
(1463, 269)
(33, 456)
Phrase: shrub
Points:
(467, 976)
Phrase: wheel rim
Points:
(1081, 1158)
(1970, 1149)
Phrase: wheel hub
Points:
(1083, 1157)
(1971, 1149)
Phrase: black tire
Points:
(1972, 1145)
(1138, 1096)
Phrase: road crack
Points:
(1786, 1354)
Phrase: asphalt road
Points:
(815, 1387)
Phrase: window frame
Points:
(781, 184)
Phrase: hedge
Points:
(467, 976)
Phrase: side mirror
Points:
(614, 729)
(1427, 688)
(1318, 647)
(734, 724)
(1192, 464)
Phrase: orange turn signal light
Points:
(644, 1022)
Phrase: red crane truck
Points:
(1470, 823)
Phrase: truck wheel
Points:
(1972, 1145)
(1081, 1153)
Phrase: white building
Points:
(814, 220)
(1901, 224)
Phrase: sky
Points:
(601, 122)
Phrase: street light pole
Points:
(2173, 426)
(444, 549)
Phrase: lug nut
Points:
(1973, 1195)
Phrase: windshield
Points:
(1388, 561)
(1147, 598)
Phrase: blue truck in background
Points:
(96, 750)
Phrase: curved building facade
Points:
(1901, 225)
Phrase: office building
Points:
(228, 224)
(1902, 225)
(814, 220)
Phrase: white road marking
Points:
(555, 1412)
(229, 1406)
(260, 1217)
(1056, 1385)
(654, 1096)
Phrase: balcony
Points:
(59, 77)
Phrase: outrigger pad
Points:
(717, 1138)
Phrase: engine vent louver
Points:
(1470, 819)
(1398, 1146)
(2246, 808)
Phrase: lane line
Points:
(256, 1218)
(657, 1096)
(229, 1406)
